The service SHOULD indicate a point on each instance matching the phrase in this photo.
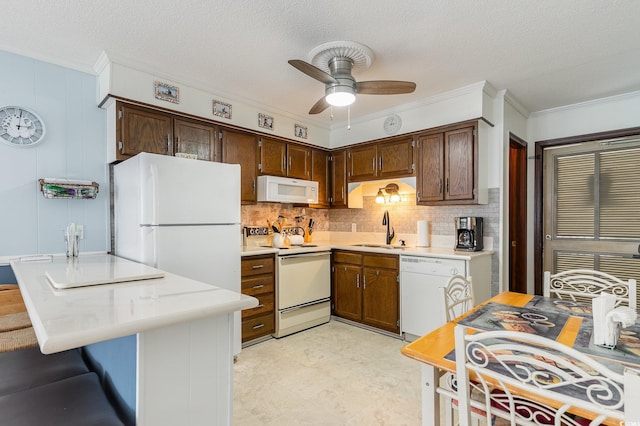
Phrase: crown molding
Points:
(592, 102)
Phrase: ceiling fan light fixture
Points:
(340, 95)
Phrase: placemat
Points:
(496, 316)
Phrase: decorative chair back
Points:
(585, 284)
(457, 296)
(506, 364)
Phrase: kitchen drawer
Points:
(257, 327)
(257, 285)
(347, 257)
(382, 261)
(265, 305)
(257, 265)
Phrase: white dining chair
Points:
(457, 298)
(585, 284)
(507, 364)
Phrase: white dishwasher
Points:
(421, 307)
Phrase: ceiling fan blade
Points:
(319, 106)
(312, 71)
(384, 87)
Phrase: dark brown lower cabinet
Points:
(366, 290)
(258, 280)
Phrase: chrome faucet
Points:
(385, 222)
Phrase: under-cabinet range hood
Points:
(287, 190)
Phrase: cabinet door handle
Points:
(380, 169)
(257, 267)
(440, 186)
(289, 162)
(373, 164)
(364, 282)
(358, 281)
(258, 286)
(257, 326)
(169, 144)
(259, 306)
(254, 186)
(447, 185)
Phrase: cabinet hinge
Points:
(413, 143)
(413, 167)
(220, 135)
(474, 132)
(397, 278)
(259, 167)
(398, 323)
(120, 146)
(119, 114)
(260, 143)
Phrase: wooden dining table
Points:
(434, 349)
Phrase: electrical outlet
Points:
(80, 231)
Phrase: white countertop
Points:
(406, 251)
(75, 317)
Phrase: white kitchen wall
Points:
(74, 147)
(454, 106)
(612, 113)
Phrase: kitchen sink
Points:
(384, 246)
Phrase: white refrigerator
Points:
(181, 216)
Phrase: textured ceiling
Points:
(547, 53)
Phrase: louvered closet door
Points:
(592, 208)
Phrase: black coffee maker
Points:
(469, 233)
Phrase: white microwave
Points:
(287, 190)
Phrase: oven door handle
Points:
(304, 305)
(298, 256)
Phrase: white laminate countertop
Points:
(70, 318)
(405, 251)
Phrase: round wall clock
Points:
(392, 124)
(20, 126)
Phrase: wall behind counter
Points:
(74, 147)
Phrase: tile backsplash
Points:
(403, 216)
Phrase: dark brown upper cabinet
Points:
(279, 158)
(448, 167)
(298, 161)
(339, 178)
(142, 130)
(320, 172)
(242, 148)
(197, 139)
(381, 160)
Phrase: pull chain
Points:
(349, 117)
(331, 112)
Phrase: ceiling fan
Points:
(332, 64)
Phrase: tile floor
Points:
(333, 374)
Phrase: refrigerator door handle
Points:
(154, 194)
